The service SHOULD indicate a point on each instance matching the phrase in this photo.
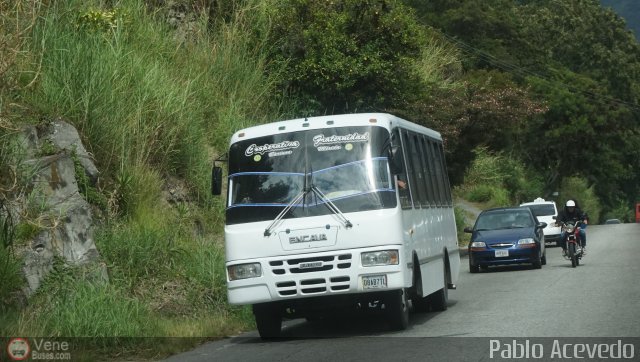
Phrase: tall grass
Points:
(141, 97)
(148, 105)
(499, 180)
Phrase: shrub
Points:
(577, 188)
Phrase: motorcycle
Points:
(573, 244)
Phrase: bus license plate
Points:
(502, 253)
(374, 281)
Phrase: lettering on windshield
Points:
(274, 149)
(320, 139)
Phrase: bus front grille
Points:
(313, 286)
(310, 264)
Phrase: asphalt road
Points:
(598, 299)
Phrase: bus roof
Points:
(385, 120)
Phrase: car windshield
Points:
(349, 165)
(503, 220)
(542, 209)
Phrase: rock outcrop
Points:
(63, 216)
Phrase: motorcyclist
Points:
(572, 212)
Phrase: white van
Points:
(545, 211)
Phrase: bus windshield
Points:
(349, 165)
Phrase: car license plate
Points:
(502, 253)
(374, 281)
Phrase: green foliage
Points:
(575, 63)
(490, 195)
(347, 55)
(629, 10)
(576, 188)
(75, 307)
(101, 20)
(621, 211)
(179, 97)
(499, 180)
(461, 223)
(137, 251)
(483, 102)
(86, 189)
(481, 193)
(10, 280)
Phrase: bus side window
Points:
(418, 166)
(429, 172)
(399, 169)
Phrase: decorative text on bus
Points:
(271, 147)
(321, 139)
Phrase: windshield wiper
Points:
(302, 194)
(332, 207)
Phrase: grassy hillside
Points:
(153, 103)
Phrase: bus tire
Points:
(398, 310)
(268, 320)
(420, 304)
(440, 298)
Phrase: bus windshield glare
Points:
(349, 165)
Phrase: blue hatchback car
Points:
(506, 236)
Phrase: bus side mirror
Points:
(216, 180)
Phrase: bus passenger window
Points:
(399, 170)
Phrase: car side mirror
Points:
(216, 180)
(554, 217)
(542, 225)
(468, 230)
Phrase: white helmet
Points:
(570, 203)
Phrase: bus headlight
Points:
(383, 257)
(244, 271)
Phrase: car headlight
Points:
(526, 241)
(244, 271)
(478, 244)
(383, 257)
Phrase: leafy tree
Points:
(573, 56)
(629, 10)
(347, 55)
(487, 109)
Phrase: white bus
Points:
(338, 211)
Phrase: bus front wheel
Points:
(398, 309)
(268, 320)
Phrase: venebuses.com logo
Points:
(18, 349)
(21, 349)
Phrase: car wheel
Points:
(544, 258)
(537, 264)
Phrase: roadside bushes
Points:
(576, 188)
(499, 180)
